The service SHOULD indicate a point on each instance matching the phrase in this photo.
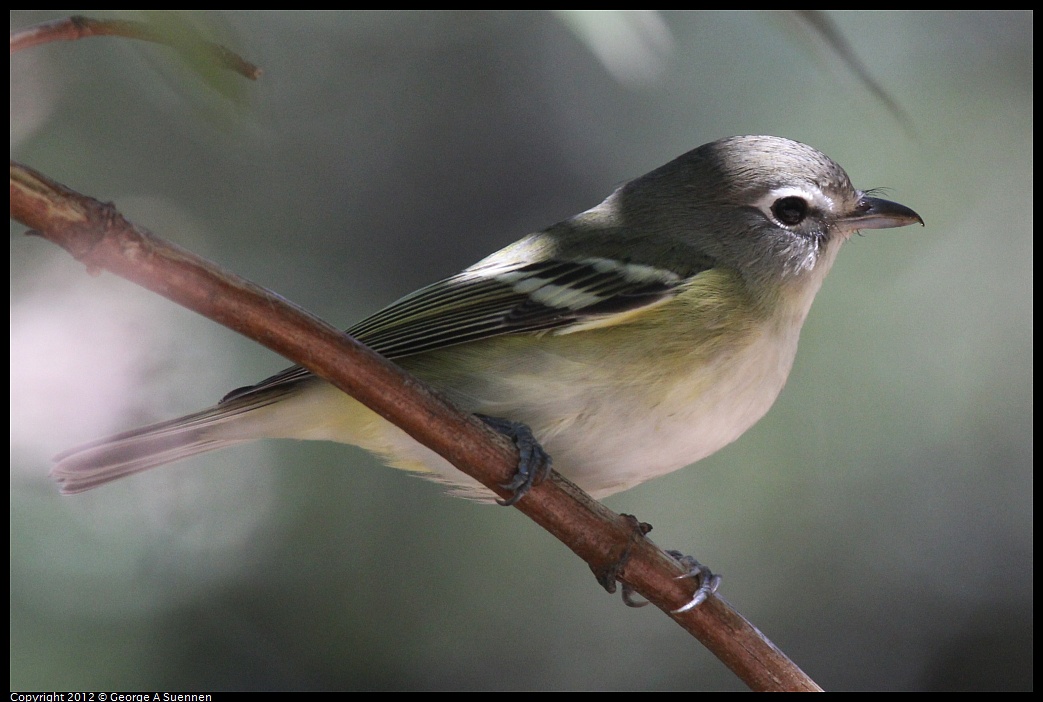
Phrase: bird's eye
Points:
(790, 211)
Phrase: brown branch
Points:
(96, 234)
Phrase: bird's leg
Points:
(534, 464)
(708, 582)
(607, 577)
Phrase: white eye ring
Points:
(814, 198)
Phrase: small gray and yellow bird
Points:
(633, 339)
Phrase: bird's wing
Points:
(494, 300)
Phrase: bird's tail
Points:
(99, 462)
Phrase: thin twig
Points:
(820, 24)
(76, 27)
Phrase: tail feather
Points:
(88, 467)
(99, 462)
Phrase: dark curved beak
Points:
(874, 213)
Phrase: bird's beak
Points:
(874, 213)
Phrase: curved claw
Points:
(628, 598)
(534, 464)
(708, 582)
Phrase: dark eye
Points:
(790, 210)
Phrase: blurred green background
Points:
(877, 524)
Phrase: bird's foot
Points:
(534, 464)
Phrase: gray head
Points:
(771, 208)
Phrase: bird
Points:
(632, 339)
